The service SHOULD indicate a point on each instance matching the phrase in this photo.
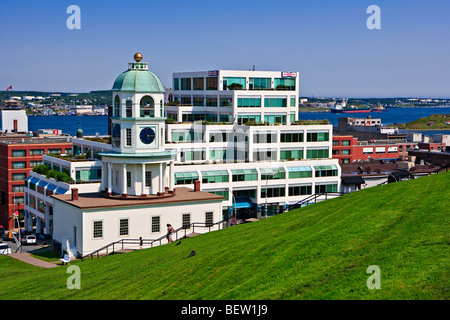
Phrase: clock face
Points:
(116, 135)
(147, 135)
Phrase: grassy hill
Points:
(422, 123)
(318, 252)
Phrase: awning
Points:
(42, 184)
(352, 180)
(51, 187)
(61, 190)
(242, 203)
(34, 180)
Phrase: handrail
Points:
(152, 241)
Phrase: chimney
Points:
(196, 185)
(74, 194)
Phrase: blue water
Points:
(91, 125)
(393, 115)
(99, 124)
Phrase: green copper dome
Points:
(138, 79)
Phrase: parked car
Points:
(4, 248)
(8, 235)
(31, 239)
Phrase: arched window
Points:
(117, 106)
(147, 107)
(129, 108)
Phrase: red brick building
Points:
(348, 149)
(18, 155)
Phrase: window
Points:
(316, 153)
(272, 173)
(185, 177)
(317, 136)
(18, 176)
(269, 137)
(291, 154)
(19, 164)
(291, 137)
(36, 152)
(231, 83)
(18, 188)
(284, 84)
(265, 155)
(345, 142)
(299, 172)
(198, 101)
(277, 118)
(199, 83)
(148, 178)
(244, 175)
(275, 102)
(18, 153)
(176, 84)
(129, 108)
(212, 83)
(326, 171)
(243, 119)
(54, 151)
(156, 224)
(345, 152)
(322, 188)
(98, 229)
(335, 142)
(147, 107)
(18, 200)
(259, 83)
(223, 193)
(211, 101)
(209, 218)
(300, 190)
(117, 106)
(123, 227)
(186, 221)
(292, 102)
(249, 102)
(226, 102)
(185, 83)
(216, 176)
(128, 133)
(273, 192)
(128, 179)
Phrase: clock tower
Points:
(137, 164)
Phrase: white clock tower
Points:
(137, 164)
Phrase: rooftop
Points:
(99, 200)
(24, 139)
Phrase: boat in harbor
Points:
(379, 109)
(341, 107)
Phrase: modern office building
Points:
(235, 96)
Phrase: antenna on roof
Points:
(253, 68)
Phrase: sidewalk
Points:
(28, 258)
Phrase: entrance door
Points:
(15, 126)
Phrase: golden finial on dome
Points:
(138, 57)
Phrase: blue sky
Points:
(327, 41)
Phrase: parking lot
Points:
(25, 248)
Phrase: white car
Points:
(29, 239)
(4, 248)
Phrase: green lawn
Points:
(318, 252)
(422, 123)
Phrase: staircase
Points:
(127, 245)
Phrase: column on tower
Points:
(143, 195)
(109, 178)
(124, 181)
